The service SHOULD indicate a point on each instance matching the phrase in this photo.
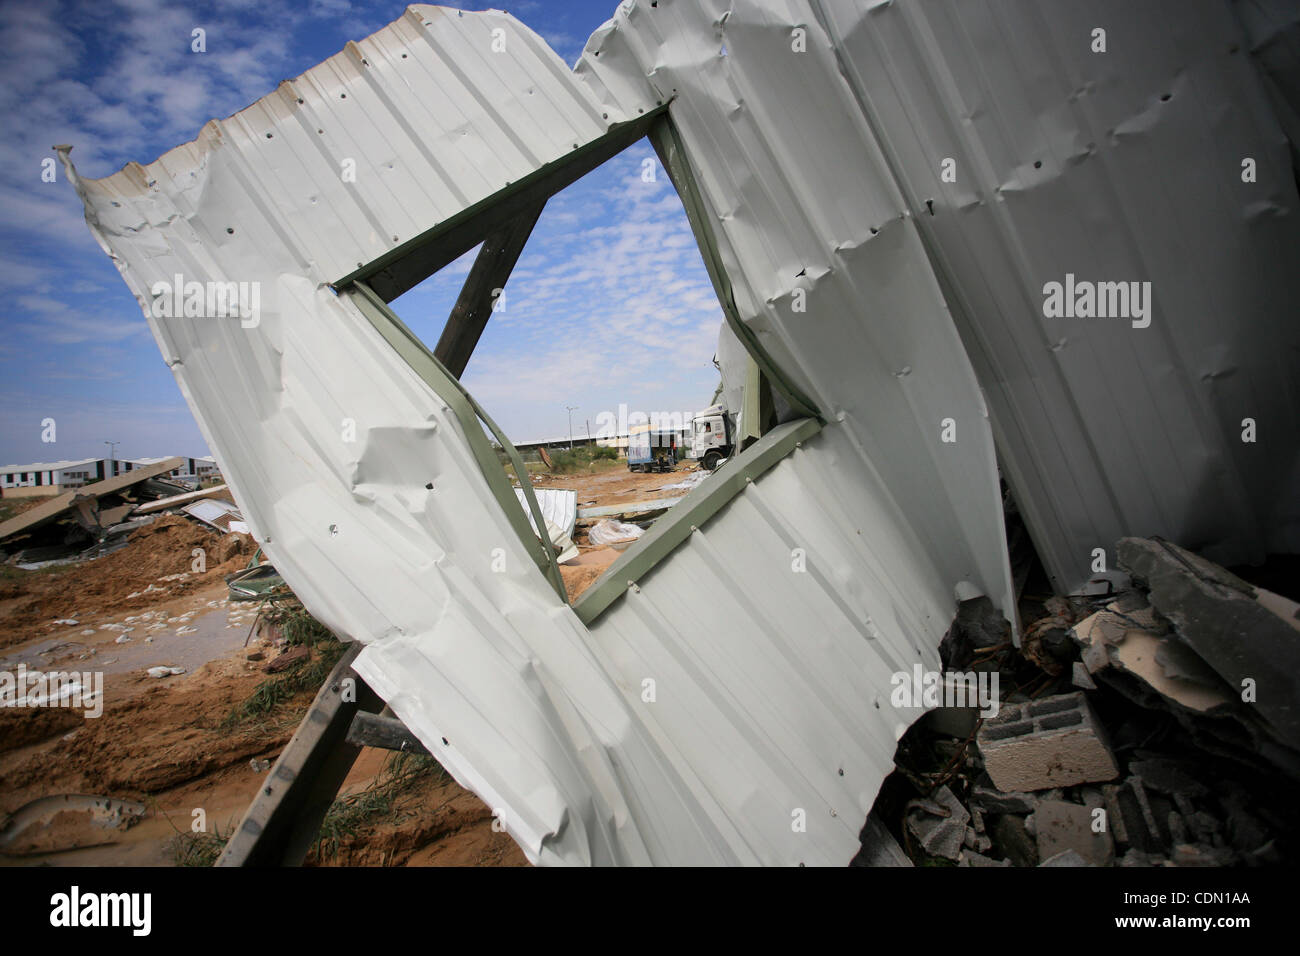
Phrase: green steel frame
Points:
(373, 285)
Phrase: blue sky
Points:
(609, 303)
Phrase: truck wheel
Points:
(711, 460)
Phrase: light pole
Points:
(571, 409)
(112, 457)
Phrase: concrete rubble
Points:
(1046, 743)
(1137, 751)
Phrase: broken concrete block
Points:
(1060, 826)
(1140, 818)
(1080, 677)
(995, 801)
(1219, 617)
(1182, 663)
(941, 833)
(1114, 816)
(1168, 777)
(1054, 742)
(1011, 837)
(1065, 858)
(879, 848)
(978, 624)
(971, 858)
(1096, 656)
(1186, 854)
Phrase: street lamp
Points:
(571, 409)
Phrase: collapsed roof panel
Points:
(57, 507)
(393, 539)
(1111, 157)
(835, 565)
(826, 265)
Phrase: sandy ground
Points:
(615, 486)
(160, 745)
(120, 788)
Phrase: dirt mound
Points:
(158, 550)
(433, 823)
(159, 739)
(20, 726)
(158, 563)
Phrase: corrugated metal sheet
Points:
(542, 717)
(559, 508)
(1122, 166)
(772, 701)
(222, 515)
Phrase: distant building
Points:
(56, 477)
(49, 478)
(193, 470)
(619, 440)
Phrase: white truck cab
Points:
(711, 437)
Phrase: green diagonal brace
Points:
(663, 135)
(699, 505)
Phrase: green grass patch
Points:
(584, 460)
(349, 815)
(296, 626)
(198, 849)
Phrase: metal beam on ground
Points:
(386, 733)
(284, 819)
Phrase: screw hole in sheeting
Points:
(231, 230)
(1165, 98)
(1038, 164)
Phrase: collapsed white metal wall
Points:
(1115, 157)
(785, 683)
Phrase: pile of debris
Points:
(97, 518)
(1155, 726)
